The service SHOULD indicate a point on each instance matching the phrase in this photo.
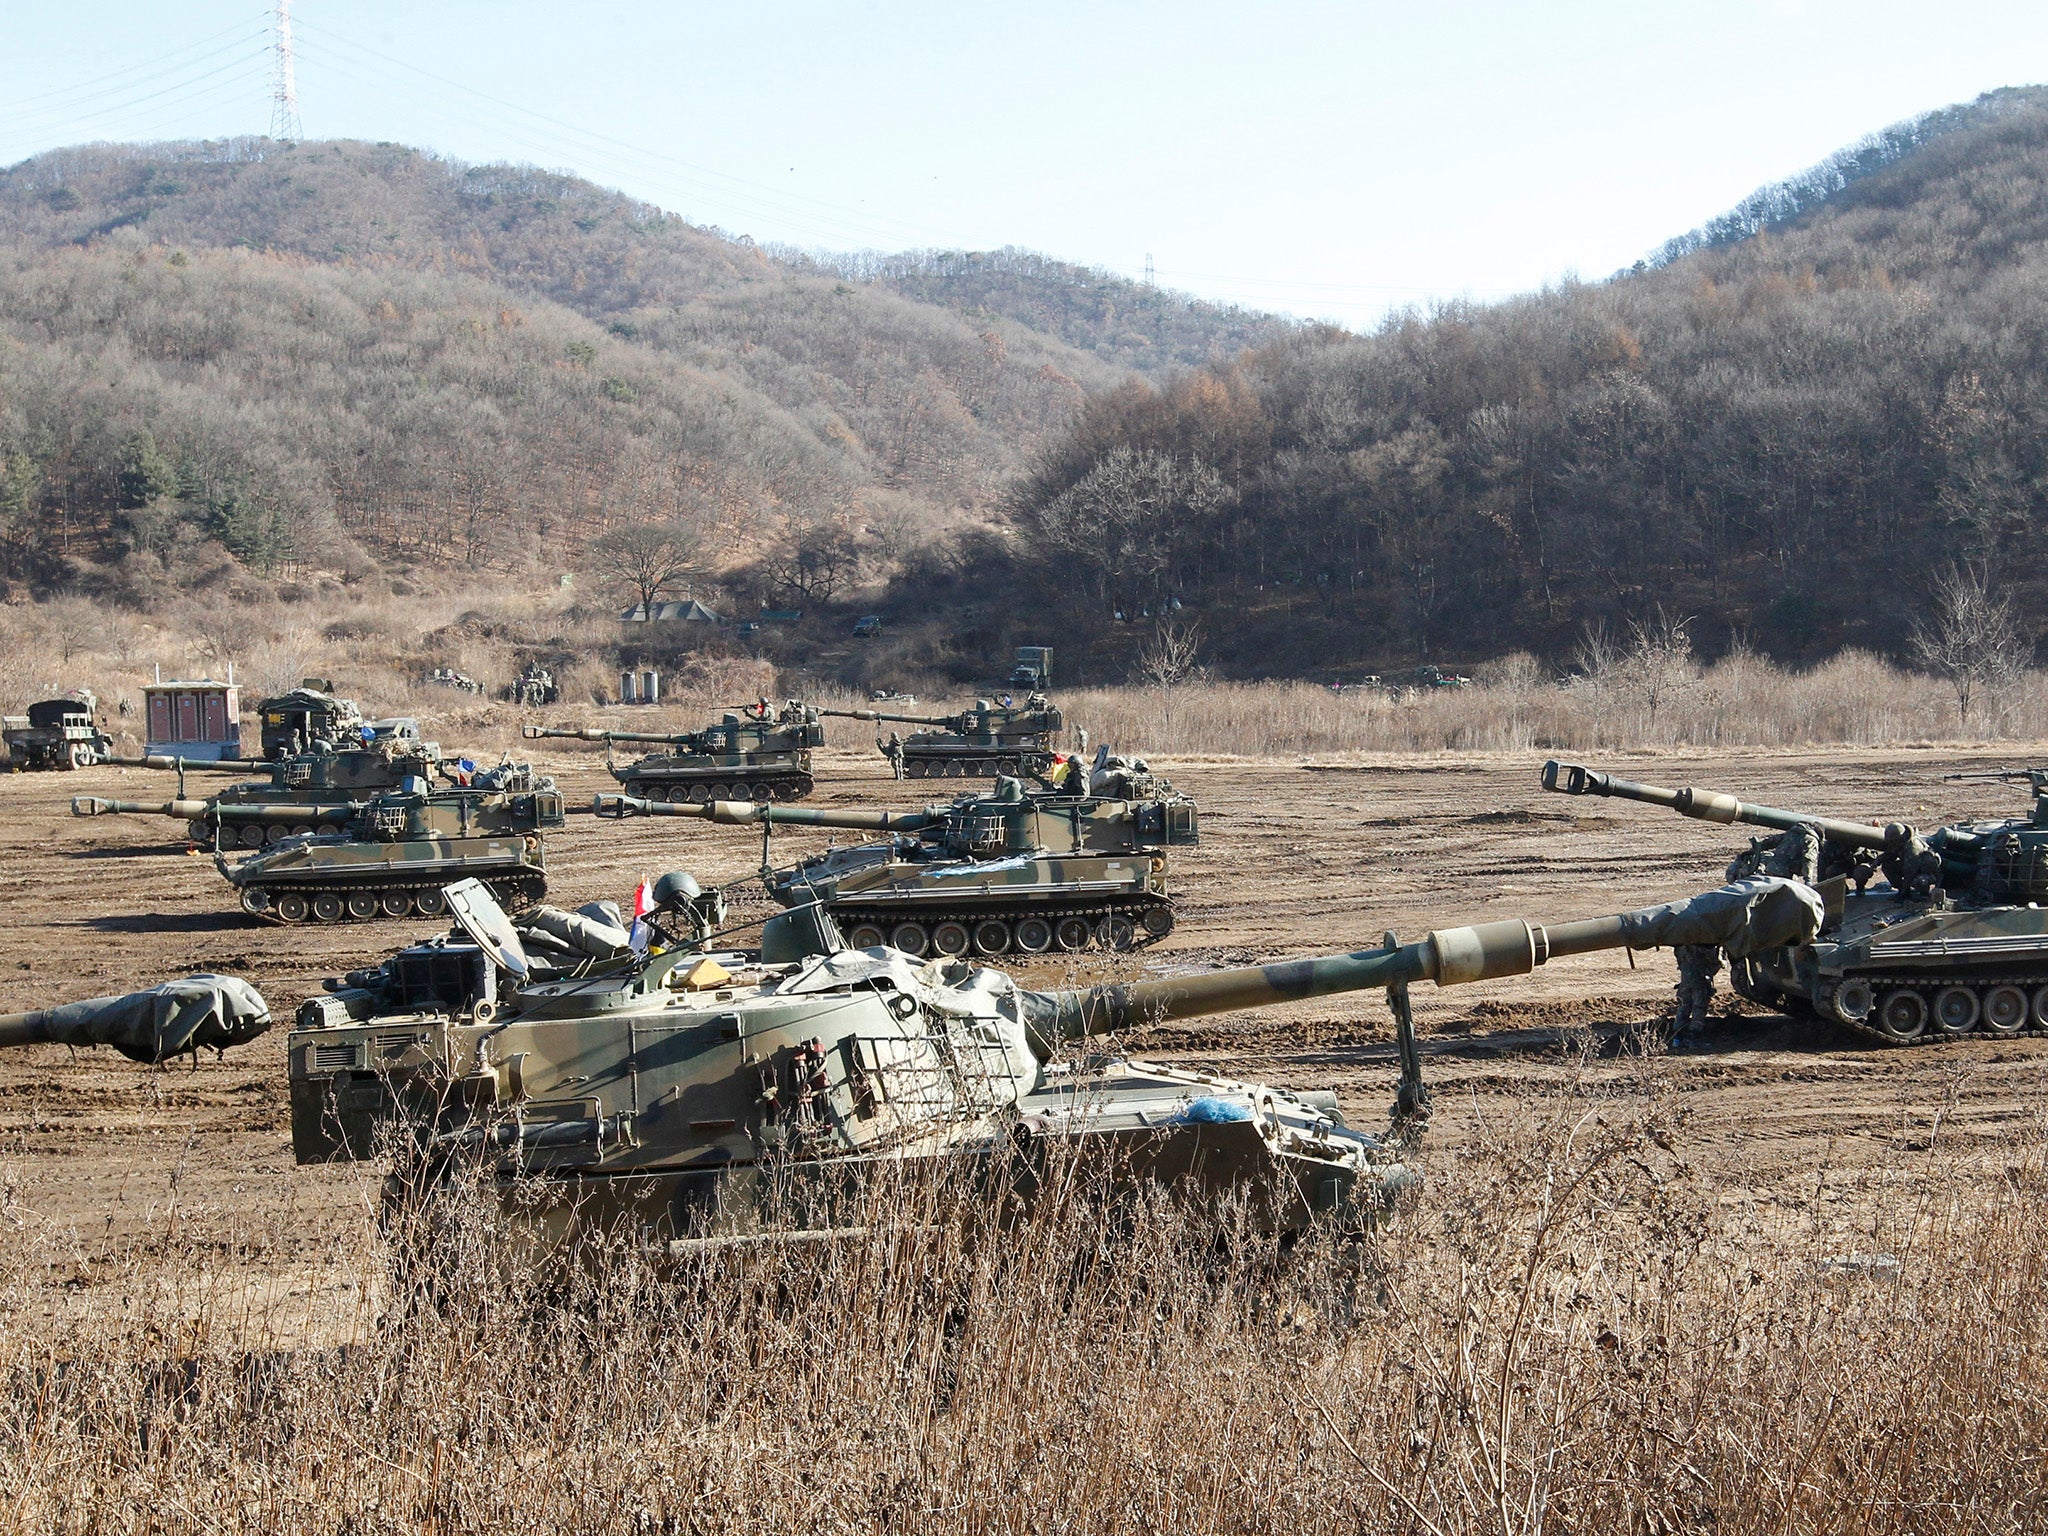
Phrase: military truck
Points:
(1925, 938)
(1020, 869)
(56, 733)
(312, 712)
(387, 856)
(1033, 670)
(981, 742)
(756, 754)
(670, 1094)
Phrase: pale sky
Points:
(1326, 160)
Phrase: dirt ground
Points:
(1297, 858)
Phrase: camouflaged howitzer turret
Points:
(668, 1089)
(387, 856)
(759, 754)
(986, 740)
(1018, 870)
(1928, 937)
(199, 1013)
(317, 776)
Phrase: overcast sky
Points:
(1324, 159)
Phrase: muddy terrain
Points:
(1297, 858)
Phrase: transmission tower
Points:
(284, 96)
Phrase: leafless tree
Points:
(644, 560)
(1971, 637)
(1170, 661)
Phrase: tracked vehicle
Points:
(315, 776)
(1927, 938)
(981, 742)
(751, 756)
(387, 856)
(1018, 870)
(670, 1092)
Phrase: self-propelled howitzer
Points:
(745, 756)
(985, 740)
(1017, 870)
(387, 856)
(315, 776)
(669, 1089)
(1927, 937)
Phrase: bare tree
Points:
(645, 560)
(1170, 661)
(1971, 637)
(811, 564)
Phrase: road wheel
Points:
(1158, 922)
(327, 908)
(80, 755)
(718, 791)
(991, 936)
(1902, 1014)
(255, 903)
(1074, 934)
(250, 837)
(1011, 766)
(910, 938)
(760, 794)
(429, 903)
(1033, 936)
(362, 906)
(199, 832)
(1116, 932)
(658, 793)
(866, 936)
(395, 904)
(788, 791)
(699, 794)
(2005, 1010)
(951, 938)
(1853, 1000)
(292, 909)
(1956, 1010)
(303, 829)
(276, 833)
(915, 770)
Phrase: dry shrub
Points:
(1567, 1328)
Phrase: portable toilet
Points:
(627, 688)
(199, 718)
(650, 687)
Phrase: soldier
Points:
(894, 752)
(1698, 964)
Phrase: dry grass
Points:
(1568, 1329)
(381, 649)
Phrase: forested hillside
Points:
(1784, 428)
(1153, 330)
(350, 353)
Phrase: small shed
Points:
(197, 718)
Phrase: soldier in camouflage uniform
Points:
(1794, 855)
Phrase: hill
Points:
(1136, 325)
(1782, 428)
(359, 354)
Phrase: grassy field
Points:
(1568, 1328)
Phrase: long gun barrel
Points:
(1705, 804)
(877, 714)
(744, 813)
(195, 810)
(201, 764)
(149, 1026)
(594, 733)
(1743, 918)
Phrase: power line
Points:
(155, 68)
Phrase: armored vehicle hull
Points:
(1925, 939)
(389, 856)
(757, 756)
(673, 1089)
(1016, 871)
